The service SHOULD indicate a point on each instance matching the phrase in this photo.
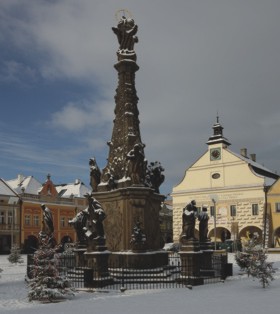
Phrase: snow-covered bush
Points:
(46, 284)
(261, 269)
(15, 256)
(253, 261)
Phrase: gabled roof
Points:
(25, 184)
(6, 190)
(48, 188)
(270, 176)
(76, 189)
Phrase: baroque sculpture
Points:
(79, 223)
(189, 217)
(46, 234)
(138, 238)
(95, 174)
(136, 164)
(203, 218)
(88, 223)
(154, 176)
(126, 31)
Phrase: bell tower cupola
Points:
(217, 136)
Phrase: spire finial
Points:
(122, 13)
(217, 117)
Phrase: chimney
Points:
(243, 152)
(20, 178)
(253, 157)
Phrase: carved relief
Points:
(114, 223)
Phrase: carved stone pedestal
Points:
(123, 208)
(206, 267)
(97, 274)
(139, 260)
(191, 256)
(79, 255)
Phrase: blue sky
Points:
(196, 58)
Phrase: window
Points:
(36, 220)
(2, 218)
(216, 175)
(212, 210)
(233, 210)
(255, 209)
(277, 207)
(27, 220)
(10, 218)
(62, 222)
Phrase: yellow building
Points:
(231, 185)
(273, 214)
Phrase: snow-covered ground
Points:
(238, 294)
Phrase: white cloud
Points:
(80, 116)
(12, 71)
(195, 58)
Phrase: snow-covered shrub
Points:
(15, 256)
(261, 269)
(46, 284)
(253, 261)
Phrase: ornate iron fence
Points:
(124, 278)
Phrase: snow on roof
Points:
(27, 184)
(77, 189)
(5, 189)
(270, 176)
(269, 181)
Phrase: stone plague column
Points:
(128, 188)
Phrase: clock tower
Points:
(217, 136)
(217, 142)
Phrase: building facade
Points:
(273, 215)
(233, 188)
(9, 218)
(166, 221)
(64, 201)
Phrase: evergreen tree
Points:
(46, 284)
(15, 256)
(253, 261)
(261, 269)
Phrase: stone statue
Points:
(189, 217)
(125, 32)
(46, 238)
(137, 164)
(79, 223)
(95, 215)
(138, 238)
(48, 227)
(203, 218)
(95, 174)
(154, 176)
(110, 180)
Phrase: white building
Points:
(230, 182)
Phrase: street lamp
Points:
(214, 199)
(265, 189)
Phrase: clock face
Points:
(215, 154)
